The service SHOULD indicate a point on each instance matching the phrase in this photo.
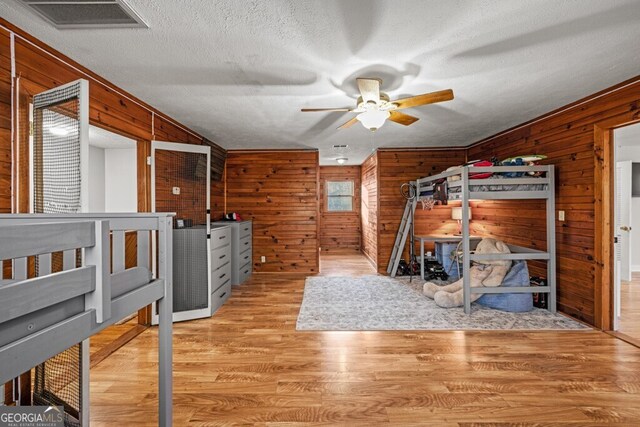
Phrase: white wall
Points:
(120, 189)
(632, 152)
(96, 179)
(635, 234)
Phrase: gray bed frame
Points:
(468, 193)
(32, 307)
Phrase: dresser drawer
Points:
(220, 296)
(220, 236)
(220, 276)
(244, 244)
(220, 257)
(244, 273)
(245, 257)
(245, 229)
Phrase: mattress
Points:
(476, 185)
(502, 187)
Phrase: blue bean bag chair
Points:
(517, 276)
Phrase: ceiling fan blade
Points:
(427, 98)
(305, 110)
(369, 89)
(348, 124)
(402, 118)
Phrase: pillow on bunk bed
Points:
(517, 276)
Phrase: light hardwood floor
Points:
(345, 264)
(248, 365)
(630, 307)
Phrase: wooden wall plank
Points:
(5, 122)
(278, 191)
(369, 208)
(340, 231)
(395, 168)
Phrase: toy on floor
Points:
(486, 273)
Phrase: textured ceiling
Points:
(239, 71)
(628, 136)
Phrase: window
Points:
(339, 196)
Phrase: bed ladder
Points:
(401, 237)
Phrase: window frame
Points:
(327, 196)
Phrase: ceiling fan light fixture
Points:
(342, 160)
(373, 119)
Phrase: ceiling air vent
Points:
(65, 14)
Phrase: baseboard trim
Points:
(635, 268)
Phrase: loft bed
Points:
(80, 287)
(504, 183)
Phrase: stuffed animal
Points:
(486, 273)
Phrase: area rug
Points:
(380, 303)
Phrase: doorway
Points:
(626, 218)
(114, 167)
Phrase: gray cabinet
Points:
(220, 265)
(241, 250)
(190, 290)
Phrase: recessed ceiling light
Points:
(341, 160)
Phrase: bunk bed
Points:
(502, 183)
(68, 282)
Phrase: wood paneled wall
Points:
(278, 190)
(340, 231)
(5, 122)
(566, 136)
(40, 67)
(396, 167)
(369, 207)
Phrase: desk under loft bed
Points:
(506, 183)
(81, 287)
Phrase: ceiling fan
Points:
(375, 107)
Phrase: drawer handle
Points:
(246, 271)
(222, 256)
(223, 274)
(246, 257)
(223, 294)
(222, 237)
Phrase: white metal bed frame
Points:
(41, 235)
(517, 252)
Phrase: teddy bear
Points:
(484, 273)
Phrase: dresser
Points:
(241, 250)
(221, 256)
